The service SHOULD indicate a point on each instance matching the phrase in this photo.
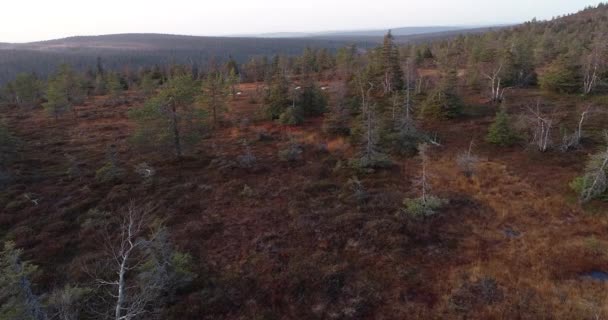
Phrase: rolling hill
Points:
(143, 50)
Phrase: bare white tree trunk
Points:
(541, 129)
(594, 180)
(497, 91)
(579, 131)
(126, 251)
(590, 77)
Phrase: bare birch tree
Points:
(570, 141)
(495, 78)
(593, 65)
(17, 299)
(467, 161)
(540, 126)
(594, 182)
(143, 263)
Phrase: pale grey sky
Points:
(30, 20)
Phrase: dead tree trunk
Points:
(541, 135)
(497, 91)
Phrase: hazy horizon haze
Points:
(28, 20)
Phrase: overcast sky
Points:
(29, 20)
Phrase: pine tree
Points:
(215, 91)
(171, 118)
(232, 80)
(75, 84)
(232, 66)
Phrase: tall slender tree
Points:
(171, 118)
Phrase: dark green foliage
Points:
(74, 82)
(277, 97)
(26, 90)
(421, 208)
(111, 171)
(292, 116)
(392, 73)
(594, 183)
(312, 100)
(115, 87)
(293, 151)
(337, 121)
(443, 102)
(519, 65)
(171, 119)
(215, 93)
(501, 132)
(57, 98)
(403, 139)
(562, 76)
(371, 154)
(187, 50)
(148, 85)
(65, 89)
(232, 66)
(164, 264)
(17, 300)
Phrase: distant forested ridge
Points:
(133, 51)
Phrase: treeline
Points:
(566, 54)
(136, 51)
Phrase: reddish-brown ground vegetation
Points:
(292, 240)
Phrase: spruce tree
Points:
(443, 102)
(16, 294)
(215, 92)
(100, 85)
(277, 96)
(57, 97)
(312, 100)
(562, 76)
(500, 132)
(26, 90)
(148, 85)
(392, 73)
(115, 88)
